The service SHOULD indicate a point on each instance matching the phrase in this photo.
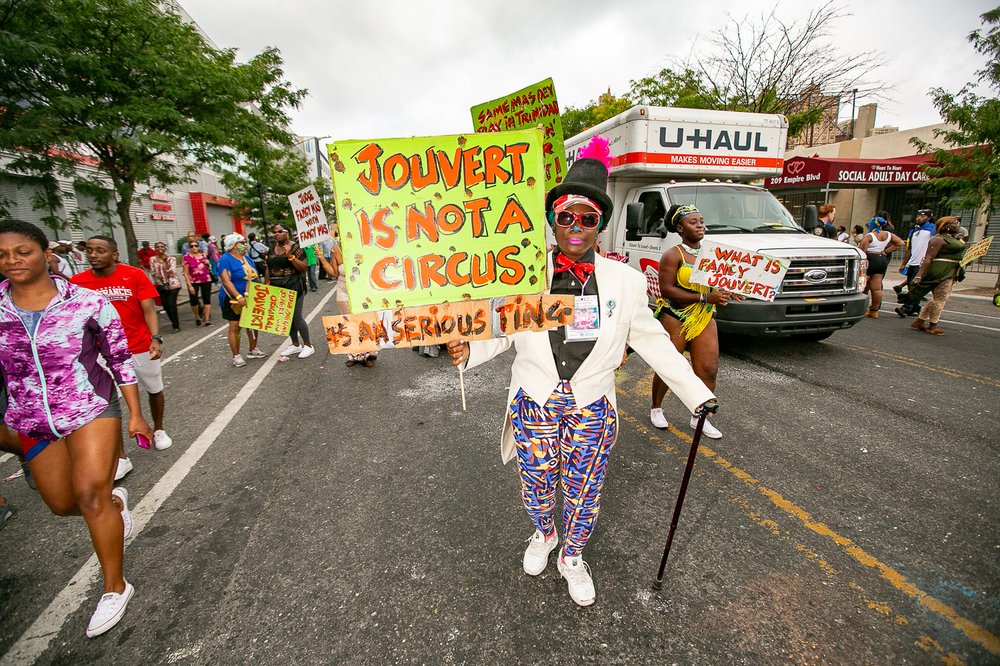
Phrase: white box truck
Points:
(663, 156)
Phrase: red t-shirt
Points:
(145, 254)
(126, 288)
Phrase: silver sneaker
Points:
(238, 361)
(709, 430)
(657, 418)
(536, 555)
(577, 575)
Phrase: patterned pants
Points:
(560, 444)
(939, 296)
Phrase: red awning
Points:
(802, 172)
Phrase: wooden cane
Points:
(658, 583)
(461, 383)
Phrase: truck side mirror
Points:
(811, 218)
(633, 221)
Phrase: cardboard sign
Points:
(530, 107)
(438, 324)
(268, 309)
(429, 220)
(738, 271)
(310, 220)
(976, 250)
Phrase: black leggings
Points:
(299, 325)
(203, 289)
(169, 299)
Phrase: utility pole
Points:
(854, 101)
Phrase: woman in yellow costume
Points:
(686, 310)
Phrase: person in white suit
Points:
(562, 417)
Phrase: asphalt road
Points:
(314, 513)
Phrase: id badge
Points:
(586, 319)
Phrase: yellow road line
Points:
(979, 379)
(896, 579)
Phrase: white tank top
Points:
(877, 246)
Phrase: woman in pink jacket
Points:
(64, 404)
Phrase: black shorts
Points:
(878, 264)
(227, 311)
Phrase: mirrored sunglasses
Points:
(585, 220)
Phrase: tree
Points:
(772, 66)
(129, 85)
(268, 175)
(970, 171)
(685, 89)
(576, 120)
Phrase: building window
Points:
(796, 203)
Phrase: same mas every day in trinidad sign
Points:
(443, 238)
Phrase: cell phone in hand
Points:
(141, 440)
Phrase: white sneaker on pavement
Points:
(122, 494)
(124, 467)
(307, 351)
(577, 575)
(289, 351)
(536, 556)
(657, 418)
(238, 361)
(110, 610)
(256, 353)
(709, 430)
(161, 440)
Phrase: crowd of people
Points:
(79, 333)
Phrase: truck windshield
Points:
(736, 210)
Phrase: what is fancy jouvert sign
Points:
(432, 229)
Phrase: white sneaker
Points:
(122, 494)
(110, 610)
(124, 467)
(536, 556)
(289, 351)
(307, 351)
(256, 353)
(161, 440)
(577, 575)
(657, 418)
(709, 430)
(238, 361)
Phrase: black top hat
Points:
(587, 177)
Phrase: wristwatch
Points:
(158, 338)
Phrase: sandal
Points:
(369, 363)
(935, 331)
(349, 362)
(918, 326)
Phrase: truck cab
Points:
(663, 156)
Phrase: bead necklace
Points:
(691, 251)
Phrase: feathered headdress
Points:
(598, 149)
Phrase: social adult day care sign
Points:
(738, 271)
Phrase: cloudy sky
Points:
(413, 67)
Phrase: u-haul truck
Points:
(663, 156)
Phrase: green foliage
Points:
(685, 89)
(576, 120)
(130, 87)
(971, 174)
(267, 175)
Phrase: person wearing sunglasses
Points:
(286, 267)
(686, 310)
(198, 275)
(562, 420)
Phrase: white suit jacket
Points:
(625, 319)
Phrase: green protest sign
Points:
(427, 220)
(268, 309)
(529, 107)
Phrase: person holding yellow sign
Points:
(562, 421)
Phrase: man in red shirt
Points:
(131, 293)
(145, 254)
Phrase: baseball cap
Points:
(926, 211)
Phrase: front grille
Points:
(805, 277)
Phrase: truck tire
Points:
(812, 337)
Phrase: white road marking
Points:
(970, 314)
(35, 640)
(962, 323)
(193, 345)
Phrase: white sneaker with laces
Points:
(307, 351)
(256, 353)
(161, 440)
(124, 467)
(122, 494)
(238, 361)
(289, 351)
(709, 430)
(657, 418)
(536, 556)
(110, 610)
(577, 575)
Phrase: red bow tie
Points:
(581, 269)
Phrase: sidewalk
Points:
(975, 283)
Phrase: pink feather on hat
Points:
(598, 149)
